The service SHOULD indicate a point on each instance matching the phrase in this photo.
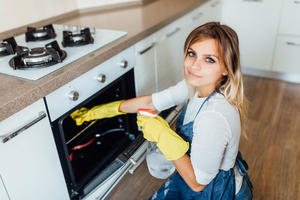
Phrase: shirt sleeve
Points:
(211, 136)
(174, 95)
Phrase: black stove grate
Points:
(8, 46)
(39, 57)
(71, 39)
(34, 34)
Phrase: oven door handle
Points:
(124, 168)
(137, 162)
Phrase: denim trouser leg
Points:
(170, 190)
(245, 192)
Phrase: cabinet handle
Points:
(197, 16)
(8, 137)
(297, 2)
(293, 44)
(147, 49)
(173, 32)
(214, 4)
(254, 0)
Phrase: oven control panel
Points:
(72, 94)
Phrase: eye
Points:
(209, 60)
(191, 54)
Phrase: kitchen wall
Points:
(96, 3)
(16, 13)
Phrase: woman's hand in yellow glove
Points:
(152, 127)
(98, 112)
(157, 130)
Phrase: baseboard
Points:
(289, 77)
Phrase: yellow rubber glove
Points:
(97, 112)
(157, 130)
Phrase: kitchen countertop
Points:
(139, 21)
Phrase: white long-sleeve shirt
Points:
(216, 131)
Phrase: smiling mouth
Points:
(194, 75)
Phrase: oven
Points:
(95, 155)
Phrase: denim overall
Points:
(222, 187)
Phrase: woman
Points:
(205, 145)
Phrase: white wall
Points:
(16, 13)
(95, 3)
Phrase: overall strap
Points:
(207, 98)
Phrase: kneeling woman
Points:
(205, 145)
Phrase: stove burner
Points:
(33, 34)
(39, 57)
(71, 39)
(8, 47)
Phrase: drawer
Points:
(290, 18)
(287, 54)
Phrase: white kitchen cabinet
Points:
(169, 49)
(207, 12)
(3, 193)
(212, 10)
(256, 23)
(145, 69)
(287, 54)
(30, 167)
(195, 18)
(290, 18)
(169, 54)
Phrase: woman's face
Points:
(202, 65)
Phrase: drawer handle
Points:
(8, 137)
(147, 49)
(214, 4)
(196, 17)
(293, 44)
(173, 32)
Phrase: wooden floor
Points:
(272, 149)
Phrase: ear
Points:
(225, 73)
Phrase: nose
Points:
(197, 64)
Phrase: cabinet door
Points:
(30, 166)
(3, 192)
(207, 12)
(195, 18)
(145, 69)
(212, 11)
(286, 57)
(169, 55)
(255, 22)
(290, 18)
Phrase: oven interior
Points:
(86, 150)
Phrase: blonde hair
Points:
(231, 86)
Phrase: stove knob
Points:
(101, 78)
(73, 95)
(123, 64)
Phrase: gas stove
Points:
(50, 48)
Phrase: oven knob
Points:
(101, 78)
(123, 64)
(73, 95)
